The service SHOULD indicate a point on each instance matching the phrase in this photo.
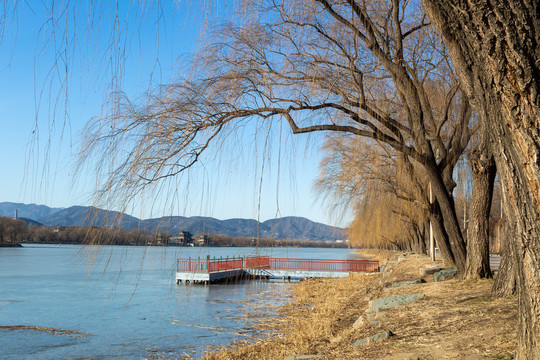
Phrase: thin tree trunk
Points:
(441, 238)
(483, 175)
(495, 47)
(420, 239)
(444, 219)
(505, 281)
(426, 234)
(449, 219)
(416, 243)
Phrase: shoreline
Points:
(327, 318)
(311, 245)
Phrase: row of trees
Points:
(224, 240)
(390, 213)
(14, 231)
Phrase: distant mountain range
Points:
(282, 228)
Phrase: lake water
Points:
(125, 299)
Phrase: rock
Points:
(398, 284)
(361, 342)
(388, 302)
(445, 274)
(430, 270)
(303, 357)
(372, 339)
(375, 321)
(358, 323)
(381, 336)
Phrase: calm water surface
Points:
(126, 300)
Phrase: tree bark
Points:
(446, 229)
(495, 47)
(483, 175)
(449, 218)
(505, 281)
(420, 243)
(441, 238)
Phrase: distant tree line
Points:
(12, 231)
(15, 231)
(224, 240)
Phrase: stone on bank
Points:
(304, 357)
(388, 302)
(373, 338)
(445, 274)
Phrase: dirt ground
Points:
(454, 320)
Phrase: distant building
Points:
(161, 239)
(184, 238)
(202, 240)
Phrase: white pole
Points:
(431, 240)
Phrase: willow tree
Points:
(345, 67)
(495, 48)
(389, 210)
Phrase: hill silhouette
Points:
(281, 228)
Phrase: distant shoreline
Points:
(308, 244)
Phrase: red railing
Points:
(192, 265)
(265, 262)
(225, 264)
(208, 265)
(324, 265)
(257, 262)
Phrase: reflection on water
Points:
(126, 298)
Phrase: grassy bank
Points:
(453, 320)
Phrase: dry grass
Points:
(454, 320)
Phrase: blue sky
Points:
(43, 108)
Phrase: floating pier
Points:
(208, 270)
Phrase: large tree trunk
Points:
(495, 47)
(483, 174)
